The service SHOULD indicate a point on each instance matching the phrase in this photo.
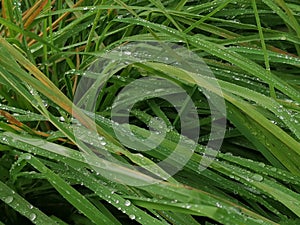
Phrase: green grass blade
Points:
(18, 203)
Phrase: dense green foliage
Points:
(253, 49)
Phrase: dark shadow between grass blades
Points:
(157, 85)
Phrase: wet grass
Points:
(49, 173)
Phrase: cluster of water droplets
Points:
(12, 200)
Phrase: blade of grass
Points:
(51, 91)
(18, 203)
(263, 44)
(68, 192)
(221, 52)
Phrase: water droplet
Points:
(28, 157)
(219, 205)
(127, 53)
(32, 91)
(283, 38)
(4, 140)
(9, 199)
(103, 143)
(100, 138)
(32, 216)
(231, 176)
(257, 177)
(132, 217)
(127, 203)
(229, 154)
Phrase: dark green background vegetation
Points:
(253, 49)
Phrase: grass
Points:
(49, 169)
